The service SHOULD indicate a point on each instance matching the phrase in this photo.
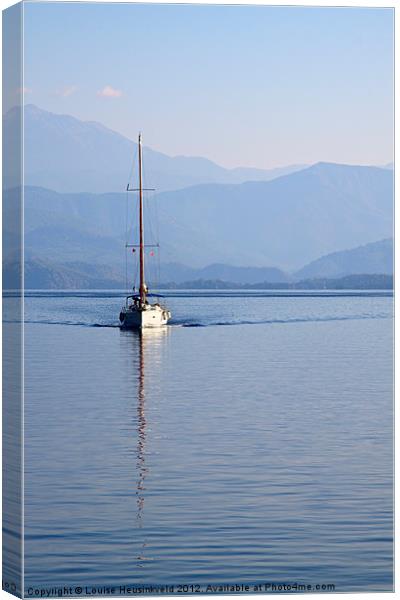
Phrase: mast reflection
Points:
(148, 346)
(141, 445)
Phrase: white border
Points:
(23, 301)
(344, 3)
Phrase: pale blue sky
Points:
(241, 85)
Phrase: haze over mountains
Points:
(376, 257)
(44, 274)
(69, 155)
(241, 231)
(284, 223)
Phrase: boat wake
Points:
(210, 323)
(279, 321)
(68, 323)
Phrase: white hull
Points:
(146, 316)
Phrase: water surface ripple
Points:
(244, 454)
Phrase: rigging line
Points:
(153, 227)
(149, 205)
(151, 269)
(135, 196)
(158, 240)
(158, 269)
(135, 260)
(150, 211)
(128, 225)
(126, 237)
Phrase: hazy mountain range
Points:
(335, 219)
(357, 266)
(348, 282)
(284, 223)
(376, 257)
(69, 155)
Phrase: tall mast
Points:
(142, 288)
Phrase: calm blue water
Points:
(248, 442)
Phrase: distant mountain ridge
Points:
(40, 274)
(285, 223)
(85, 156)
(349, 282)
(376, 257)
(373, 267)
(178, 273)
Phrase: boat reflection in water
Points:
(145, 348)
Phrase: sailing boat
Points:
(138, 312)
